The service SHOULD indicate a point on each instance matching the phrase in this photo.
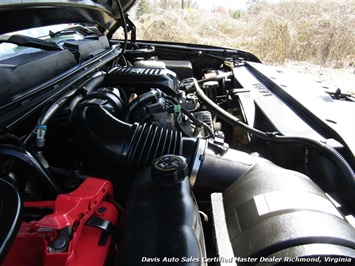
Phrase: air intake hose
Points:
(133, 146)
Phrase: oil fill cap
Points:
(169, 169)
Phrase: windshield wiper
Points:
(78, 29)
(22, 40)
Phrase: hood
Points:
(36, 13)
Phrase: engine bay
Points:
(166, 154)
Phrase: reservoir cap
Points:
(169, 169)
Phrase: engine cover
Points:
(144, 78)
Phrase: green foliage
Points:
(237, 14)
(143, 8)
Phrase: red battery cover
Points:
(88, 245)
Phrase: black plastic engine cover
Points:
(161, 225)
(144, 78)
(271, 211)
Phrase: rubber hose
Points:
(142, 99)
(22, 155)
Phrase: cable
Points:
(196, 121)
(188, 81)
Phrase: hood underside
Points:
(101, 13)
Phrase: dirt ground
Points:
(343, 78)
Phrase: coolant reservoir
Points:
(161, 222)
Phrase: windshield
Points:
(55, 33)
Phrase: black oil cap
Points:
(169, 169)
